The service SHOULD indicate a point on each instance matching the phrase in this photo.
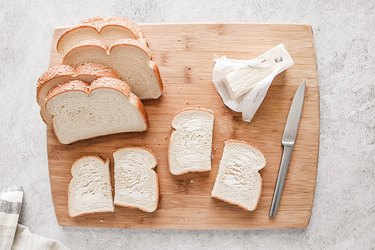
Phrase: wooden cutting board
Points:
(184, 54)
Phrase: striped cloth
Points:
(14, 236)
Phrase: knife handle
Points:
(281, 176)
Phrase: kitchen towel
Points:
(14, 236)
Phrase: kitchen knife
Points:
(288, 140)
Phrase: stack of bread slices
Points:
(106, 71)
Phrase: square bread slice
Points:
(190, 143)
(79, 111)
(90, 188)
(136, 182)
(238, 181)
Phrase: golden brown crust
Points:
(100, 83)
(157, 75)
(138, 103)
(111, 83)
(129, 42)
(95, 69)
(57, 71)
(106, 50)
(108, 47)
(74, 85)
(98, 24)
(66, 73)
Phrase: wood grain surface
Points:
(184, 54)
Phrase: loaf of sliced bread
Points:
(129, 58)
(238, 181)
(78, 110)
(191, 141)
(136, 183)
(90, 188)
(60, 74)
(104, 29)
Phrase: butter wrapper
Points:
(264, 68)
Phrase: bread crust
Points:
(158, 76)
(67, 72)
(98, 24)
(100, 83)
(233, 141)
(157, 179)
(107, 49)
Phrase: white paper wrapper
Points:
(249, 102)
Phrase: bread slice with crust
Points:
(191, 141)
(104, 29)
(90, 188)
(79, 111)
(60, 74)
(238, 181)
(129, 58)
(136, 182)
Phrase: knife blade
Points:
(288, 140)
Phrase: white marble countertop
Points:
(343, 216)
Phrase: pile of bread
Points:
(106, 71)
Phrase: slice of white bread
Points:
(129, 58)
(60, 74)
(104, 29)
(190, 144)
(136, 182)
(80, 111)
(90, 188)
(238, 181)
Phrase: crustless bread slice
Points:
(191, 141)
(238, 181)
(90, 188)
(136, 183)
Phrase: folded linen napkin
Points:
(14, 236)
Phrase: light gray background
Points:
(344, 210)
